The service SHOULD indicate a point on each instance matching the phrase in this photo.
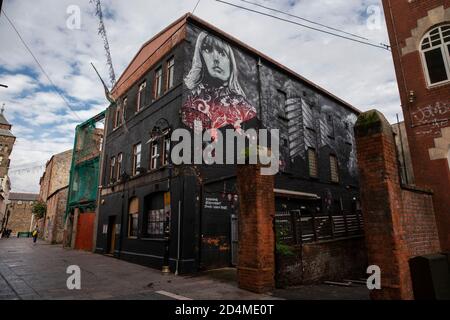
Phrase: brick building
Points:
(53, 191)
(19, 212)
(419, 32)
(7, 140)
(163, 89)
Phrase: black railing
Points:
(293, 228)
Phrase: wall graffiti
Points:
(431, 113)
(224, 85)
(216, 96)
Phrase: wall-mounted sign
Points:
(215, 203)
(105, 229)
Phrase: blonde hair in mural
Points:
(195, 75)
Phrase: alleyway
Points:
(38, 271)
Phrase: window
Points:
(158, 83)
(157, 216)
(156, 221)
(166, 150)
(312, 162)
(170, 72)
(118, 117)
(119, 165)
(133, 218)
(334, 169)
(435, 49)
(141, 96)
(136, 158)
(154, 155)
(124, 106)
(112, 165)
(330, 128)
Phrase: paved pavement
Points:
(38, 271)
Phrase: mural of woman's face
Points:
(216, 59)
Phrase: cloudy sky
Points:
(44, 125)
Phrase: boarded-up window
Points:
(312, 162)
(334, 169)
(133, 216)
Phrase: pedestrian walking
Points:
(34, 234)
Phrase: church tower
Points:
(7, 140)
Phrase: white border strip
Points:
(173, 295)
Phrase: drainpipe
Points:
(100, 186)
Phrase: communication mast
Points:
(102, 33)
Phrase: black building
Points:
(191, 71)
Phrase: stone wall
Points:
(54, 223)
(334, 260)
(20, 216)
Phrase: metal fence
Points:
(293, 228)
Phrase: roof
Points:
(3, 119)
(6, 133)
(147, 56)
(23, 196)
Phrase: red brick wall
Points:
(419, 222)
(423, 120)
(256, 252)
(398, 222)
(84, 234)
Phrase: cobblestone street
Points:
(38, 271)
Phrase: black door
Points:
(111, 235)
(215, 232)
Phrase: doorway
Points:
(111, 235)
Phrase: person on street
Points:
(34, 234)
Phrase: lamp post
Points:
(3, 85)
(166, 268)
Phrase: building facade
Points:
(19, 213)
(7, 140)
(419, 33)
(189, 75)
(53, 191)
(80, 214)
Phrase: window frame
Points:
(136, 155)
(158, 84)
(336, 166)
(131, 217)
(165, 150)
(314, 152)
(170, 73)
(112, 166)
(445, 51)
(154, 156)
(141, 100)
(119, 165)
(117, 119)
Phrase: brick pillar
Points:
(382, 205)
(256, 253)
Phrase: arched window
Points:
(435, 50)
